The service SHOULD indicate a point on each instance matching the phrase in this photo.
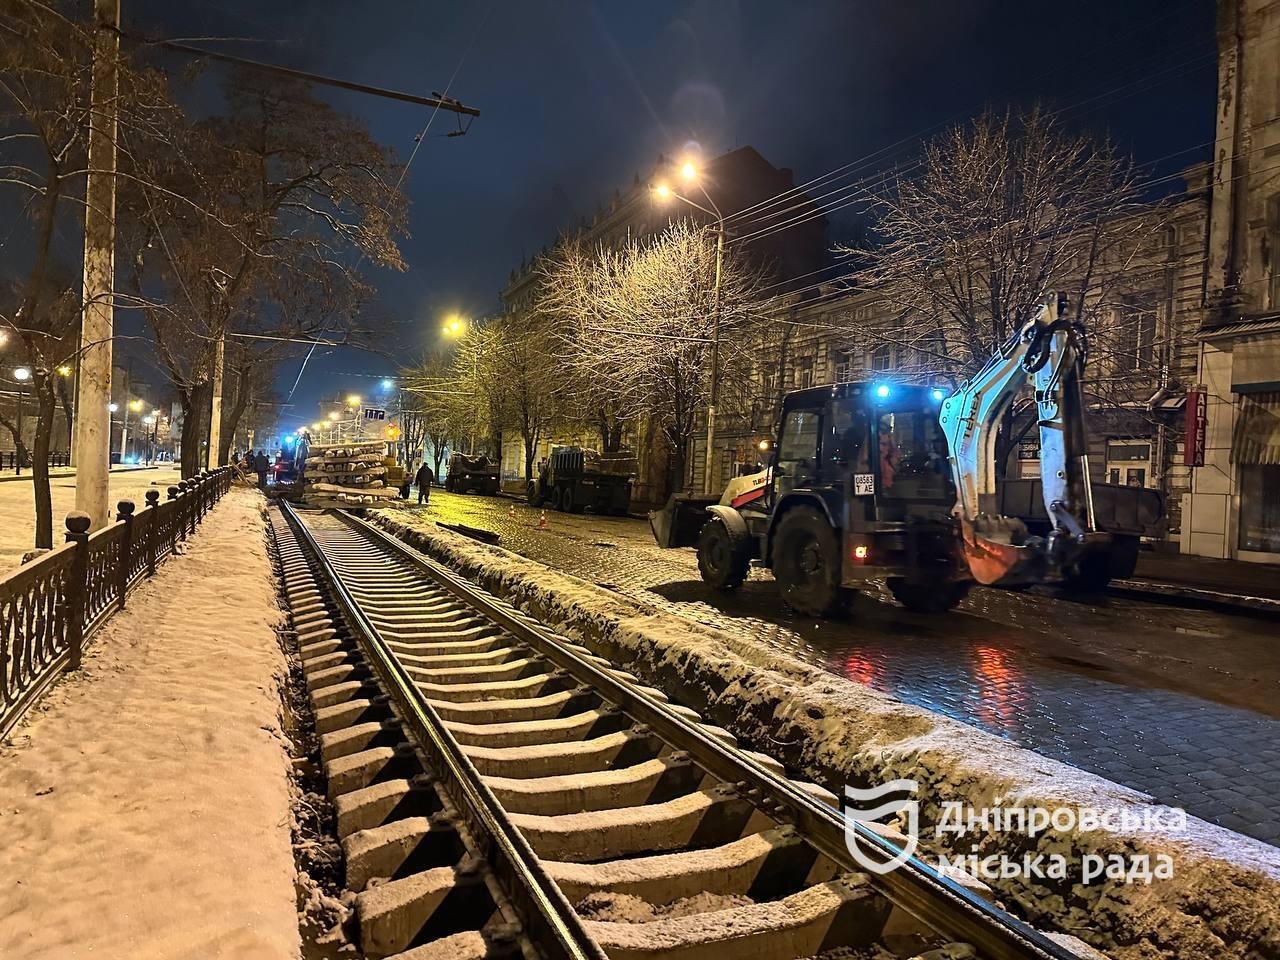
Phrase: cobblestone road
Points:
(1181, 704)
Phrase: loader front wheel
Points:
(723, 561)
(806, 563)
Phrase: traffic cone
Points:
(511, 512)
(542, 520)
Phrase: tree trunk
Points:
(231, 417)
(67, 410)
(45, 402)
(195, 419)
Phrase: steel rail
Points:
(551, 922)
(916, 887)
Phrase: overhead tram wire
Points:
(849, 192)
(858, 191)
(753, 211)
(422, 137)
(920, 135)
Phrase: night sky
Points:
(577, 97)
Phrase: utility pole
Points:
(215, 405)
(708, 477)
(124, 428)
(92, 441)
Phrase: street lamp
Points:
(455, 326)
(22, 375)
(663, 192)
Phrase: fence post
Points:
(153, 530)
(184, 505)
(173, 527)
(124, 512)
(206, 485)
(77, 585)
(193, 512)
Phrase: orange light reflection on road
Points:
(996, 677)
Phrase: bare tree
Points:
(643, 339)
(1004, 210)
(568, 303)
(527, 381)
(282, 191)
(442, 406)
(45, 70)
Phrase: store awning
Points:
(1256, 439)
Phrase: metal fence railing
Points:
(51, 606)
(9, 460)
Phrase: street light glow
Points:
(689, 171)
(353, 400)
(64, 371)
(22, 373)
(135, 405)
(454, 325)
(333, 415)
(113, 407)
(662, 191)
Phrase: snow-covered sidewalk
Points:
(18, 512)
(144, 806)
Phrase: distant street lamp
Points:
(456, 326)
(662, 192)
(22, 375)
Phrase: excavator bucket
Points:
(1001, 556)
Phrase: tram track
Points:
(501, 791)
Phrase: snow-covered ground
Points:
(17, 506)
(144, 805)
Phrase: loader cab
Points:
(869, 452)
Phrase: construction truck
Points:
(572, 478)
(895, 482)
(466, 473)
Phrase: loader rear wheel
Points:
(806, 563)
(928, 597)
(1089, 574)
(722, 560)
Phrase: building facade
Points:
(1232, 510)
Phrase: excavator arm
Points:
(1048, 352)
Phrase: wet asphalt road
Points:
(1182, 704)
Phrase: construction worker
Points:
(424, 478)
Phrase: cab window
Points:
(797, 450)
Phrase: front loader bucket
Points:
(679, 522)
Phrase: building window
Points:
(881, 359)
(1136, 338)
(844, 366)
(1129, 462)
(804, 373)
(1260, 507)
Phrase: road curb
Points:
(1234, 602)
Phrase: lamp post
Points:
(22, 375)
(457, 326)
(136, 407)
(662, 191)
(357, 427)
